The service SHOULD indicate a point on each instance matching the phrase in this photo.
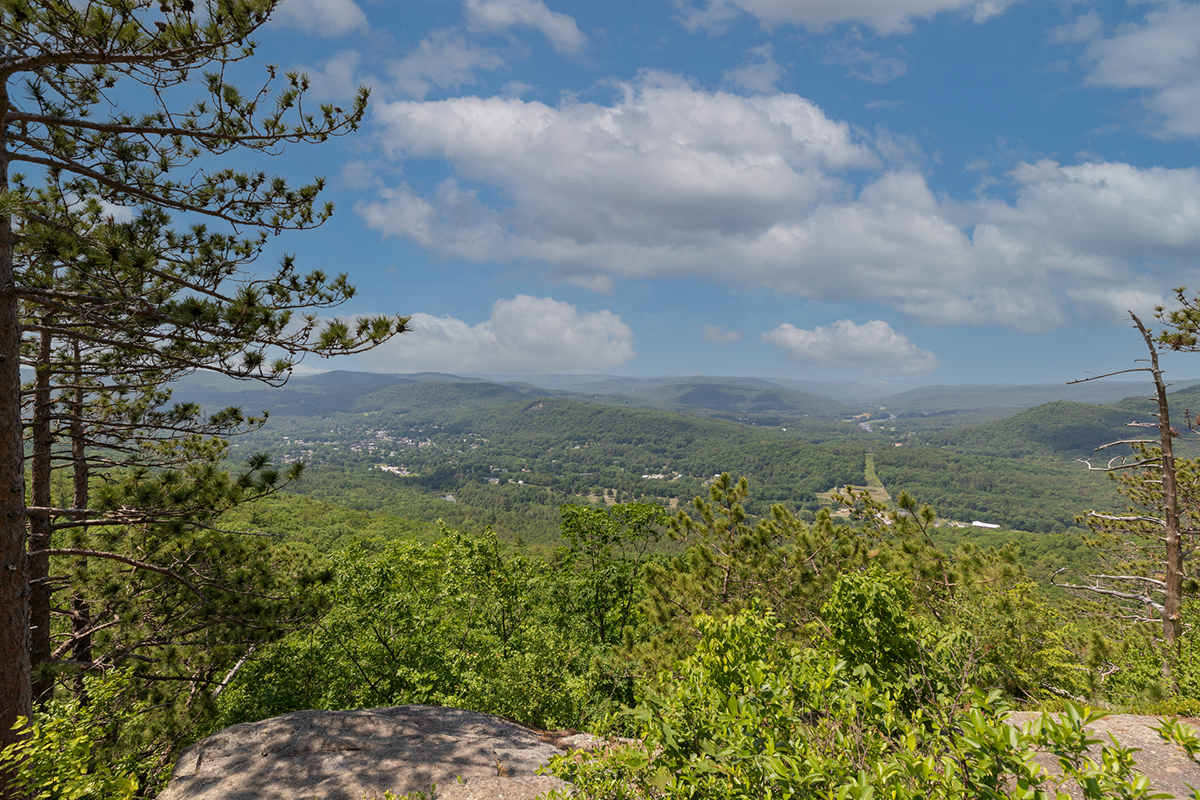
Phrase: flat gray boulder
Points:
(1168, 769)
(349, 755)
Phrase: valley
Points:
(475, 452)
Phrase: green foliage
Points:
(793, 570)
(1027, 494)
(58, 755)
(745, 717)
(1181, 735)
(1129, 545)
(976, 601)
(455, 436)
(870, 618)
(324, 526)
(107, 312)
(1021, 643)
(179, 648)
(462, 622)
(778, 564)
(1039, 554)
(541, 452)
(1061, 429)
(1128, 662)
(606, 549)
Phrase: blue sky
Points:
(926, 191)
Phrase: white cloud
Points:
(758, 73)
(360, 175)
(871, 66)
(1110, 209)
(1161, 56)
(498, 16)
(516, 88)
(321, 17)
(669, 181)
(872, 348)
(1116, 304)
(898, 149)
(336, 77)
(523, 335)
(884, 16)
(665, 166)
(718, 334)
(1084, 28)
(444, 60)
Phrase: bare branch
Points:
(1109, 375)
(1121, 518)
(1140, 599)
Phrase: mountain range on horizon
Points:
(750, 400)
(874, 393)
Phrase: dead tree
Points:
(1145, 545)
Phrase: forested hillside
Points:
(1059, 429)
(1027, 494)
(516, 462)
(508, 455)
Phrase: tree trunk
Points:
(39, 524)
(81, 615)
(1173, 592)
(15, 691)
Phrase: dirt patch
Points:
(878, 494)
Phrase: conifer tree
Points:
(89, 114)
(733, 563)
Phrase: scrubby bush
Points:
(747, 717)
(463, 622)
(59, 756)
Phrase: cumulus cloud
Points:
(872, 348)
(1161, 57)
(523, 335)
(718, 334)
(884, 16)
(444, 60)
(666, 166)
(321, 17)
(498, 16)
(669, 181)
(759, 72)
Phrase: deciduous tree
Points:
(607, 549)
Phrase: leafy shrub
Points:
(746, 717)
(870, 619)
(59, 756)
(461, 622)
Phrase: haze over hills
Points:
(845, 391)
(946, 399)
(750, 399)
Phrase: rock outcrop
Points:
(1168, 769)
(349, 755)
(352, 755)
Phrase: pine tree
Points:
(142, 300)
